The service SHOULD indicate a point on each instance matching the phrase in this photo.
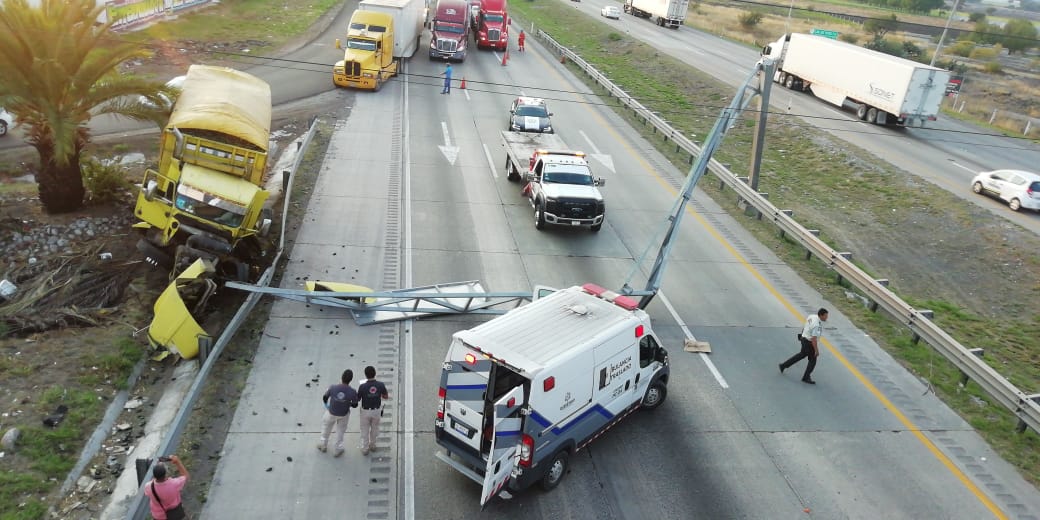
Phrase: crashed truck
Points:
(203, 213)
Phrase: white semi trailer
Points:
(666, 13)
(881, 88)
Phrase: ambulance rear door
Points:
(505, 443)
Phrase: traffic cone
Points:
(463, 84)
(505, 57)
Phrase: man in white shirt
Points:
(809, 338)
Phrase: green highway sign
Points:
(826, 34)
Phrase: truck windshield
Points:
(363, 45)
(492, 17)
(531, 111)
(209, 207)
(448, 27)
(580, 177)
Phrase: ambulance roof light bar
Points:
(617, 299)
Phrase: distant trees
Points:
(1019, 35)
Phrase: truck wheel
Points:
(789, 82)
(154, 255)
(557, 469)
(861, 112)
(539, 215)
(783, 78)
(872, 115)
(654, 395)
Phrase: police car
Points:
(529, 115)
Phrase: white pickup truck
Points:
(559, 182)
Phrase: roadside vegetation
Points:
(974, 269)
(82, 368)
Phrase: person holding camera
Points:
(164, 492)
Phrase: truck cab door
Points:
(505, 443)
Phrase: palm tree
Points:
(58, 67)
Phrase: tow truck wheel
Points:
(557, 469)
(539, 216)
(654, 395)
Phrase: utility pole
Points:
(942, 38)
(765, 81)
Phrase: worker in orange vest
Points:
(520, 40)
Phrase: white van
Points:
(523, 392)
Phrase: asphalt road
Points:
(412, 192)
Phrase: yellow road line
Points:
(907, 423)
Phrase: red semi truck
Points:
(450, 29)
(492, 25)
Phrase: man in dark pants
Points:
(809, 337)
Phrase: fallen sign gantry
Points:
(368, 306)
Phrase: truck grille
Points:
(352, 68)
(447, 45)
(494, 35)
(575, 208)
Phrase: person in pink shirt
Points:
(164, 492)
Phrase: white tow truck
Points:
(560, 184)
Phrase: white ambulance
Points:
(523, 392)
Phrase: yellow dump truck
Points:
(206, 199)
(381, 32)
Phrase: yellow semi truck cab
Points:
(368, 57)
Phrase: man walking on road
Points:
(372, 393)
(447, 79)
(338, 399)
(809, 338)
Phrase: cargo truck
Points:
(522, 394)
(206, 199)
(449, 30)
(559, 182)
(492, 25)
(881, 88)
(666, 13)
(380, 34)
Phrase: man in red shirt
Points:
(164, 493)
(520, 40)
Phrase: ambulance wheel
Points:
(557, 469)
(654, 395)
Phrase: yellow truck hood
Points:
(173, 327)
(225, 186)
(225, 100)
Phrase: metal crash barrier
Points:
(1025, 406)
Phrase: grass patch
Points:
(859, 202)
(268, 23)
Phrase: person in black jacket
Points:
(338, 399)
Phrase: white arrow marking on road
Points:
(601, 157)
(450, 152)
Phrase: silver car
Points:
(1020, 189)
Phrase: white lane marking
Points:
(955, 163)
(409, 382)
(689, 335)
(601, 157)
(466, 92)
(491, 163)
(450, 152)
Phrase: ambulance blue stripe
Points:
(466, 387)
(560, 429)
(507, 434)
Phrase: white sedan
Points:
(6, 121)
(611, 11)
(1018, 188)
